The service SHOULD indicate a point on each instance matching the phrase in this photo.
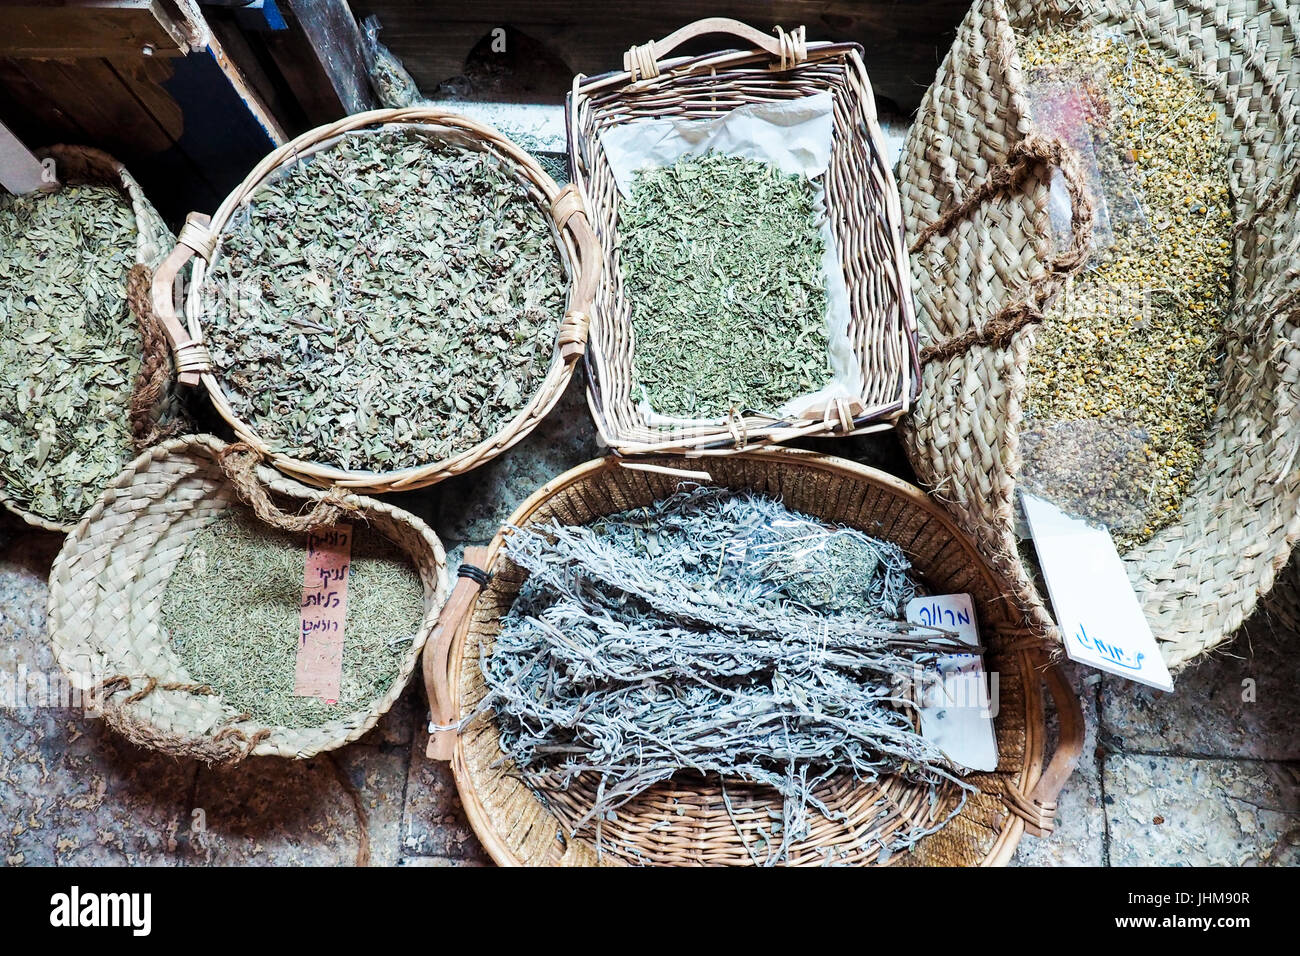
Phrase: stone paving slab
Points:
(1197, 812)
(434, 822)
(1240, 701)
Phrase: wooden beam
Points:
(94, 28)
(336, 39)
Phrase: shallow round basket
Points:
(684, 821)
(574, 239)
(106, 595)
(82, 164)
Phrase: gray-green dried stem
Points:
(684, 637)
(721, 259)
(233, 609)
(69, 347)
(390, 302)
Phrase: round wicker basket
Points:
(106, 594)
(82, 164)
(1200, 577)
(575, 241)
(684, 823)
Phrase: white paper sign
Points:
(957, 708)
(1095, 606)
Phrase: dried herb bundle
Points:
(721, 257)
(1130, 354)
(646, 645)
(69, 347)
(233, 609)
(389, 302)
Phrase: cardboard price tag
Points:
(957, 705)
(1095, 605)
(318, 671)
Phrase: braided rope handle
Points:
(239, 462)
(1024, 158)
(788, 49)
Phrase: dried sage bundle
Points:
(233, 605)
(69, 347)
(390, 301)
(721, 258)
(686, 638)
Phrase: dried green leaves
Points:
(69, 347)
(722, 261)
(233, 609)
(389, 302)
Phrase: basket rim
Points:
(1032, 764)
(203, 446)
(838, 418)
(578, 268)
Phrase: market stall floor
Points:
(1207, 775)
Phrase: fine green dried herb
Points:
(391, 301)
(721, 258)
(233, 610)
(1123, 379)
(69, 347)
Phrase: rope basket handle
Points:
(788, 49)
(436, 661)
(191, 356)
(239, 462)
(1038, 807)
(1024, 158)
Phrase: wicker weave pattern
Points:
(1199, 578)
(861, 198)
(106, 592)
(82, 164)
(574, 239)
(517, 828)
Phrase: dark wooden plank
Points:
(336, 39)
(903, 42)
(92, 28)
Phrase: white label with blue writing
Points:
(1096, 608)
(957, 705)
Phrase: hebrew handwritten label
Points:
(957, 704)
(1096, 607)
(319, 668)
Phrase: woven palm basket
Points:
(106, 595)
(861, 200)
(685, 821)
(1200, 577)
(574, 240)
(82, 164)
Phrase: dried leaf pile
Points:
(721, 258)
(1123, 378)
(389, 302)
(69, 347)
(233, 608)
(685, 637)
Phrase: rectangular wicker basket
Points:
(861, 199)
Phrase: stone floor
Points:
(1207, 775)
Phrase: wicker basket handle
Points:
(789, 49)
(1038, 809)
(436, 663)
(569, 216)
(191, 356)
